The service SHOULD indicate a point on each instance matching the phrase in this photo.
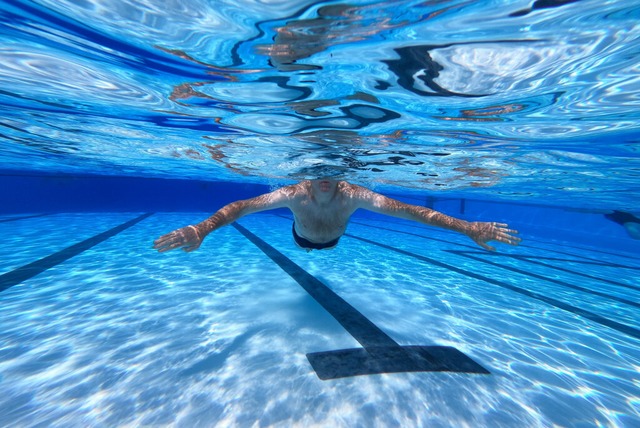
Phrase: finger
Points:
(511, 240)
(170, 247)
(164, 238)
(508, 233)
(160, 242)
(504, 235)
(485, 246)
(504, 239)
(164, 249)
(505, 228)
(511, 231)
(511, 236)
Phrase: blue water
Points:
(518, 100)
(123, 120)
(120, 335)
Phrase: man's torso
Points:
(322, 222)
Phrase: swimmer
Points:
(322, 208)
(627, 220)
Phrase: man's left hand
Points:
(483, 232)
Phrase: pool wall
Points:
(69, 193)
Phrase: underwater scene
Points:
(417, 213)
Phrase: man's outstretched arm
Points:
(480, 232)
(190, 237)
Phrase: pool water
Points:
(116, 334)
(525, 100)
(122, 120)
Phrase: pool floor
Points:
(98, 329)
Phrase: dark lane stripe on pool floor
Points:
(582, 259)
(380, 353)
(546, 250)
(545, 278)
(4, 220)
(30, 270)
(535, 260)
(631, 331)
(363, 330)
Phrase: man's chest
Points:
(334, 215)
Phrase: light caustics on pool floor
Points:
(99, 329)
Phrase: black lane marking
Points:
(592, 262)
(30, 270)
(22, 218)
(359, 326)
(627, 256)
(579, 259)
(590, 259)
(536, 261)
(380, 353)
(592, 250)
(622, 328)
(545, 278)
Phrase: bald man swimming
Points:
(321, 210)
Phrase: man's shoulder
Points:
(354, 191)
(293, 191)
(345, 186)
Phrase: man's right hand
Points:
(188, 238)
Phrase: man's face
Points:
(324, 185)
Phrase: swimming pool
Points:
(121, 120)
(117, 334)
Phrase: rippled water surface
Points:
(525, 100)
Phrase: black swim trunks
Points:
(308, 245)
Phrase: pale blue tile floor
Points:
(121, 335)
